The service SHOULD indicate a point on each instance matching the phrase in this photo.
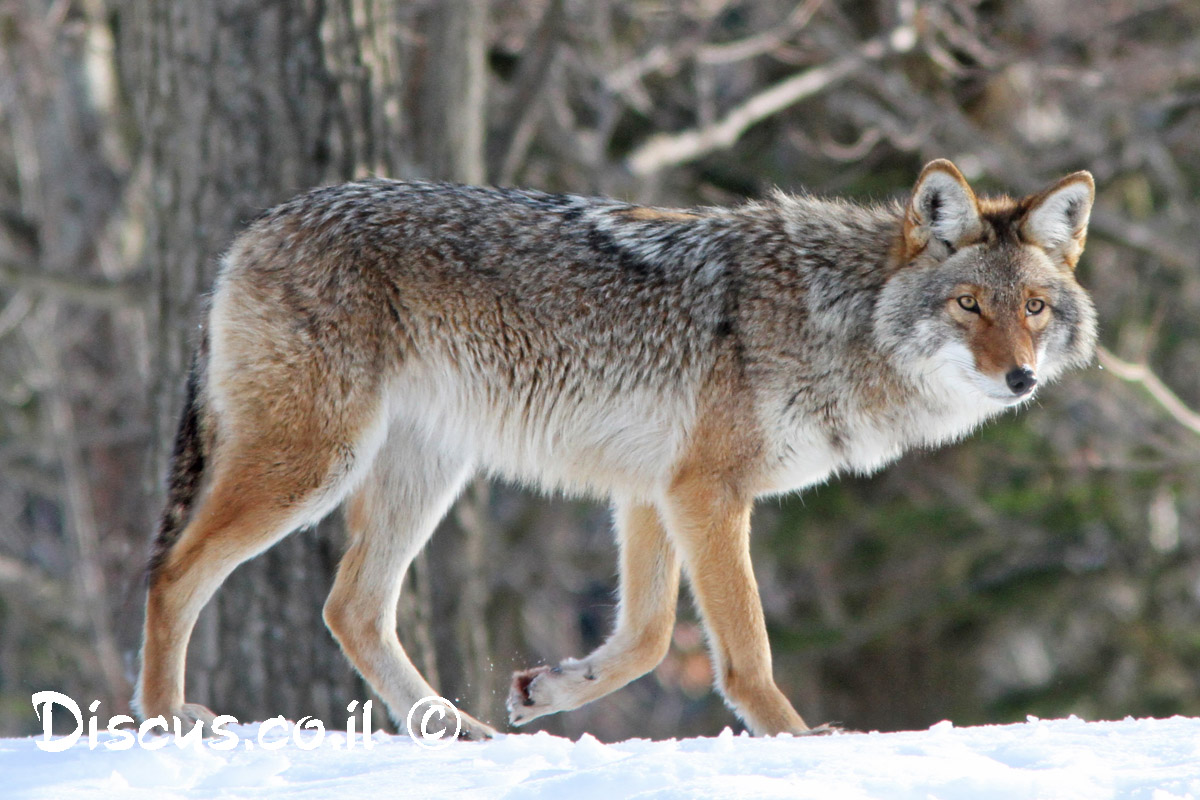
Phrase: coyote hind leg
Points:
(645, 618)
(243, 514)
(390, 517)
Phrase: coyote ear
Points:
(1057, 218)
(942, 210)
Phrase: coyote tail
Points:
(188, 456)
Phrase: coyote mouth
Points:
(1011, 399)
(997, 395)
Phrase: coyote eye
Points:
(969, 303)
(1035, 306)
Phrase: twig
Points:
(1150, 240)
(26, 584)
(82, 519)
(666, 150)
(96, 293)
(761, 43)
(955, 131)
(533, 77)
(1162, 394)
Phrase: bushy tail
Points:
(187, 461)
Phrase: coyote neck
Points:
(838, 388)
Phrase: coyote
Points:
(381, 342)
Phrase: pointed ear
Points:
(942, 211)
(1057, 218)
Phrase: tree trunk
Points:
(243, 105)
(448, 582)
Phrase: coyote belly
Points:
(375, 345)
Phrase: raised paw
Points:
(522, 702)
(547, 690)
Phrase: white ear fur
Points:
(942, 207)
(1058, 219)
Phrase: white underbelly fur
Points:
(595, 445)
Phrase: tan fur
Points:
(285, 449)
(707, 504)
(239, 518)
(648, 214)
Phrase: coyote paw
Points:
(188, 716)
(472, 730)
(546, 690)
(475, 731)
(523, 700)
(191, 713)
(451, 723)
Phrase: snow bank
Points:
(1152, 759)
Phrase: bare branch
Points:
(83, 521)
(998, 157)
(761, 43)
(26, 584)
(85, 291)
(1159, 244)
(533, 77)
(667, 150)
(1162, 394)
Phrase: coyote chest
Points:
(809, 452)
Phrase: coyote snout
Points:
(379, 343)
(1021, 380)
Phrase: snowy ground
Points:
(1153, 759)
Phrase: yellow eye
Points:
(1035, 306)
(969, 303)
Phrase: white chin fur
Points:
(1013, 400)
(996, 393)
(954, 368)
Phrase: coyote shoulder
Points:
(378, 343)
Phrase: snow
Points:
(1156, 759)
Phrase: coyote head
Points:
(983, 296)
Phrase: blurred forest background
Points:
(1049, 565)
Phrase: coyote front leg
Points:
(645, 619)
(710, 524)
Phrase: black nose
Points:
(1021, 380)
